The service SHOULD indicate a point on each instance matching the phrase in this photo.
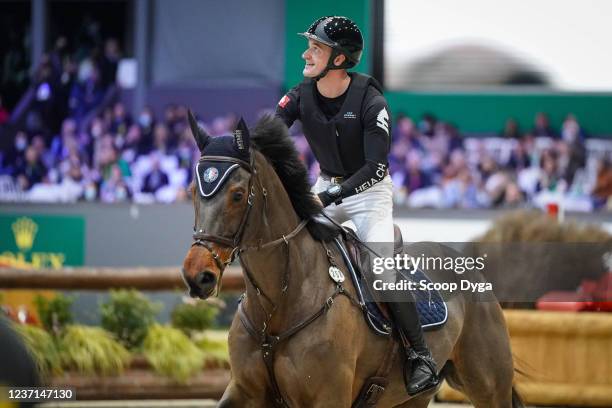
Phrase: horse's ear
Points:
(241, 136)
(200, 136)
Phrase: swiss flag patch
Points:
(283, 102)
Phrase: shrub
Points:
(171, 353)
(193, 317)
(216, 350)
(92, 350)
(128, 315)
(54, 313)
(42, 347)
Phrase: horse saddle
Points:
(432, 309)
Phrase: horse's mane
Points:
(271, 138)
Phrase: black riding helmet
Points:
(342, 35)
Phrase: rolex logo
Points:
(24, 230)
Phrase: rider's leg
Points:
(372, 213)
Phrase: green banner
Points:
(41, 241)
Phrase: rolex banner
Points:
(41, 241)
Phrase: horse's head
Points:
(222, 199)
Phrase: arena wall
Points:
(159, 234)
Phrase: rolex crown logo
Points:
(24, 230)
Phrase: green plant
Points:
(92, 350)
(193, 317)
(42, 347)
(171, 353)
(54, 313)
(216, 350)
(128, 315)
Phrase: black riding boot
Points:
(420, 373)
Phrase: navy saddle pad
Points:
(433, 311)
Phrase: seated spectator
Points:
(114, 188)
(156, 178)
(511, 129)
(415, 178)
(461, 191)
(549, 175)
(519, 157)
(32, 171)
(571, 132)
(110, 61)
(161, 137)
(121, 120)
(15, 156)
(513, 197)
(542, 127)
(86, 95)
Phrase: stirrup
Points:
(428, 360)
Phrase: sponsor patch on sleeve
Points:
(284, 101)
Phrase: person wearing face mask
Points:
(15, 156)
(345, 119)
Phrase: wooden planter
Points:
(140, 382)
(567, 355)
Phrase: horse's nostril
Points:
(206, 278)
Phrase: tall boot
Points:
(420, 373)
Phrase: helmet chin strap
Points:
(330, 65)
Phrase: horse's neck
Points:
(307, 282)
(296, 263)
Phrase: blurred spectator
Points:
(513, 196)
(121, 120)
(156, 178)
(571, 132)
(110, 61)
(542, 126)
(519, 157)
(114, 187)
(427, 124)
(549, 175)
(511, 129)
(160, 138)
(415, 178)
(86, 94)
(32, 170)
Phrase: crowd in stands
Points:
(144, 159)
(72, 148)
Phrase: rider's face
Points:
(316, 57)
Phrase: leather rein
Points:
(267, 341)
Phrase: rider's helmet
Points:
(342, 35)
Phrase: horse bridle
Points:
(203, 239)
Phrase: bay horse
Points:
(297, 340)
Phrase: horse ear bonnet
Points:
(211, 174)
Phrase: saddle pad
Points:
(431, 307)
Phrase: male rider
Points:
(345, 119)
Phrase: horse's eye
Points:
(237, 196)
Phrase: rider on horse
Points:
(345, 119)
